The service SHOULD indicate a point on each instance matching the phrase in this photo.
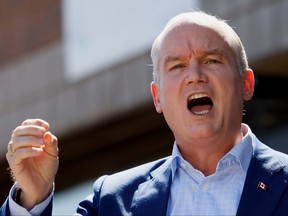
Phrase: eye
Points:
(178, 66)
(213, 61)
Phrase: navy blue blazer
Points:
(144, 190)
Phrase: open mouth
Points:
(199, 104)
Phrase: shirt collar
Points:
(241, 153)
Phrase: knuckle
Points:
(27, 121)
(36, 121)
(15, 131)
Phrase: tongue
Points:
(201, 108)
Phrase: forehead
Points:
(190, 37)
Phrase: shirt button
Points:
(205, 187)
(183, 166)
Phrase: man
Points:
(217, 167)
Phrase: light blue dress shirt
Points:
(218, 194)
(16, 210)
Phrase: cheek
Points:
(168, 85)
(230, 90)
(168, 94)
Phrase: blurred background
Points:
(83, 66)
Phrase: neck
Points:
(204, 156)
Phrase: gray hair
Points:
(203, 19)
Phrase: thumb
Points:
(51, 144)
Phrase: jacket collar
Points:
(152, 196)
(265, 182)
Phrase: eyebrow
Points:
(173, 59)
(218, 52)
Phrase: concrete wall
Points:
(35, 86)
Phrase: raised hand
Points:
(33, 159)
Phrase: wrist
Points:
(29, 200)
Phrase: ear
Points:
(248, 84)
(156, 97)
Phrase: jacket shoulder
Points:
(113, 194)
(283, 158)
(271, 159)
(132, 176)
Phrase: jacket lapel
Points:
(152, 196)
(264, 183)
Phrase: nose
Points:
(195, 74)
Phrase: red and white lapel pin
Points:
(262, 186)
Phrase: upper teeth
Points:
(198, 95)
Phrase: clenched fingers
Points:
(27, 136)
(33, 134)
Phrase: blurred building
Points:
(104, 115)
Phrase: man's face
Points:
(200, 90)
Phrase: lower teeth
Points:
(201, 112)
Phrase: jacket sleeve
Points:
(90, 206)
